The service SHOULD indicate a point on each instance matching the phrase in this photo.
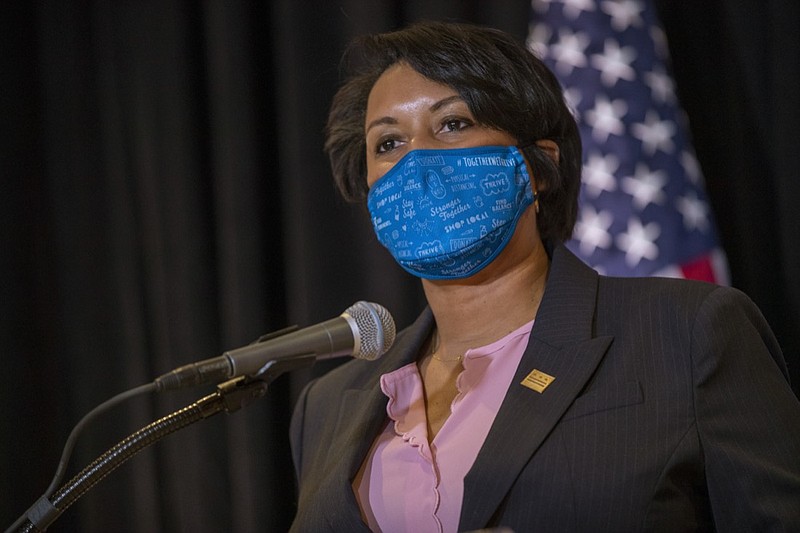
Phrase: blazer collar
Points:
(561, 345)
(361, 416)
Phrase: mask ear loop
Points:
(530, 171)
(551, 149)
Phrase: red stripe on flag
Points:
(701, 269)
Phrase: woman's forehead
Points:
(402, 89)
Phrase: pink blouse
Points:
(409, 484)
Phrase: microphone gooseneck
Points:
(364, 330)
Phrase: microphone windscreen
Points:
(376, 329)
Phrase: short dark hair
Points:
(505, 86)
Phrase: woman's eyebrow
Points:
(446, 101)
(379, 121)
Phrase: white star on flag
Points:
(639, 241)
(692, 168)
(598, 174)
(605, 118)
(615, 63)
(694, 211)
(623, 13)
(646, 186)
(661, 86)
(569, 51)
(592, 230)
(655, 134)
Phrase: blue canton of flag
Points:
(643, 208)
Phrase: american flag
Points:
(643, 208)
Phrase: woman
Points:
(532, 393)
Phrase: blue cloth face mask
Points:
(446, 214)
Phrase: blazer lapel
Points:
(360, 419)
(561, 346)
(362, 415)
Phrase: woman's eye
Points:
(455, 124)
(386, 145)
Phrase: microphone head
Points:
(375, 329)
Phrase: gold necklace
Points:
(435, 348)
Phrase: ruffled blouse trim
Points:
(403, 387)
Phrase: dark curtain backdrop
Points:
(165, 197)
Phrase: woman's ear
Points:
(551, 148)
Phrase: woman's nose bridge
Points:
(423, 141)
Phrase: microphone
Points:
(364, 330)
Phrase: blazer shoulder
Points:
(668, 292)
(677, 304)
(675, 292)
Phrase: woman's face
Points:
(407, 111)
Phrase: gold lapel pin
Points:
(537, 380)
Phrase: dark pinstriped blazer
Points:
(670, 411)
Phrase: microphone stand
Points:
(230, 396)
